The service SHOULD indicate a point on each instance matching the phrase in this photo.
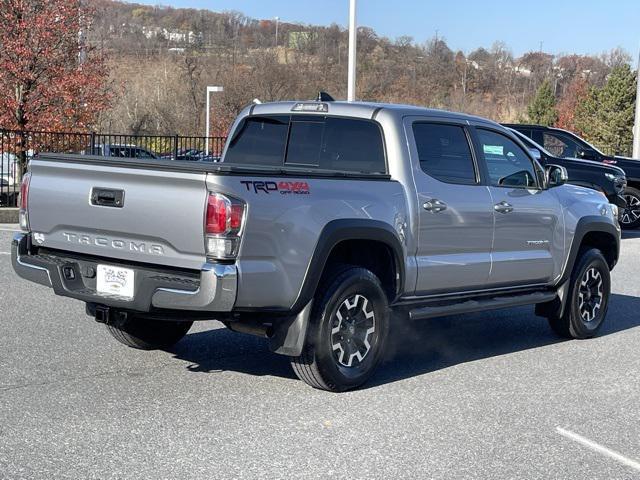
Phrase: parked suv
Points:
(607, 179)
(324, 223)
(565, 144)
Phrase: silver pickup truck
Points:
(323, 225)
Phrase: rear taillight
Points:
(24, 202)
(223, 226)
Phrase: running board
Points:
(480, 305)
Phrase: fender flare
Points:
(337, 231)
(588, 224)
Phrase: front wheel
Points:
(630, 216)
(588, 298)
(147, 334)
(347, 331)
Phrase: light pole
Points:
(353, 38)
(209, 91)
(636, 125)
(277, 25)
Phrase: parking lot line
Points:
(598, 448)
(5, 253)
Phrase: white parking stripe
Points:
(5, 253)
(599, 448)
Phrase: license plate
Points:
(115, 281)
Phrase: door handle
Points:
(434, 206)
(503, 207)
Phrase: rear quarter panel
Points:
(283, 228)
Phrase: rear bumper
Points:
(213, 289)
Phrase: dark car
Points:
(607, 179)
(191, 155)
(565, 144)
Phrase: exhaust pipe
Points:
(255, 329)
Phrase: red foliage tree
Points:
(49, 77)
(566, 107)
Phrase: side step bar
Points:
(480, 305)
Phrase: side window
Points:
(444, 152)
(507, 163)
(560, 145)
(259, 141)
(351, 145)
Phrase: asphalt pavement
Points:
(484, 396)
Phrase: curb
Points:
(9, 215)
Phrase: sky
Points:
(563, 26)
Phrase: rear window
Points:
(259, 141)
(327, 143)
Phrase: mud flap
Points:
(554, 308)
(289, 335)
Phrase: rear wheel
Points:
(588, 298)
(347, 331)
(147, 334)
(630, 216)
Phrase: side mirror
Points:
(520, 179)
(556, 175)
(535, 153)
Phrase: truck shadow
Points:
(415, 349)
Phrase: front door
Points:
(455, 209)
(528, 244)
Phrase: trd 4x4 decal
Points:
(284, 188)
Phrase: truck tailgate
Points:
(159, 218)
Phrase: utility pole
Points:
(277, 25)
(353, 38)
(636, 124)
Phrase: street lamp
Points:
(353, 37)
(636, 123)
(209, 91)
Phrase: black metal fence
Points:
(17, 147)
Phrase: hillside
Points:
(161, 60)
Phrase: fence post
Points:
(175, 148)
(92, 144)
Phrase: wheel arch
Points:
(340, 238)
(593, 231)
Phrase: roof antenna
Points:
(324, 97)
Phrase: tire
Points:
(349, 306)
(146, 334)
(588, 297)
(630, 216)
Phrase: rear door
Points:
(528, 242)
(455, 209)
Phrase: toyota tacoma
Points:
(323, 226)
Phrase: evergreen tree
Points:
(606, 115)
(542, 110)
